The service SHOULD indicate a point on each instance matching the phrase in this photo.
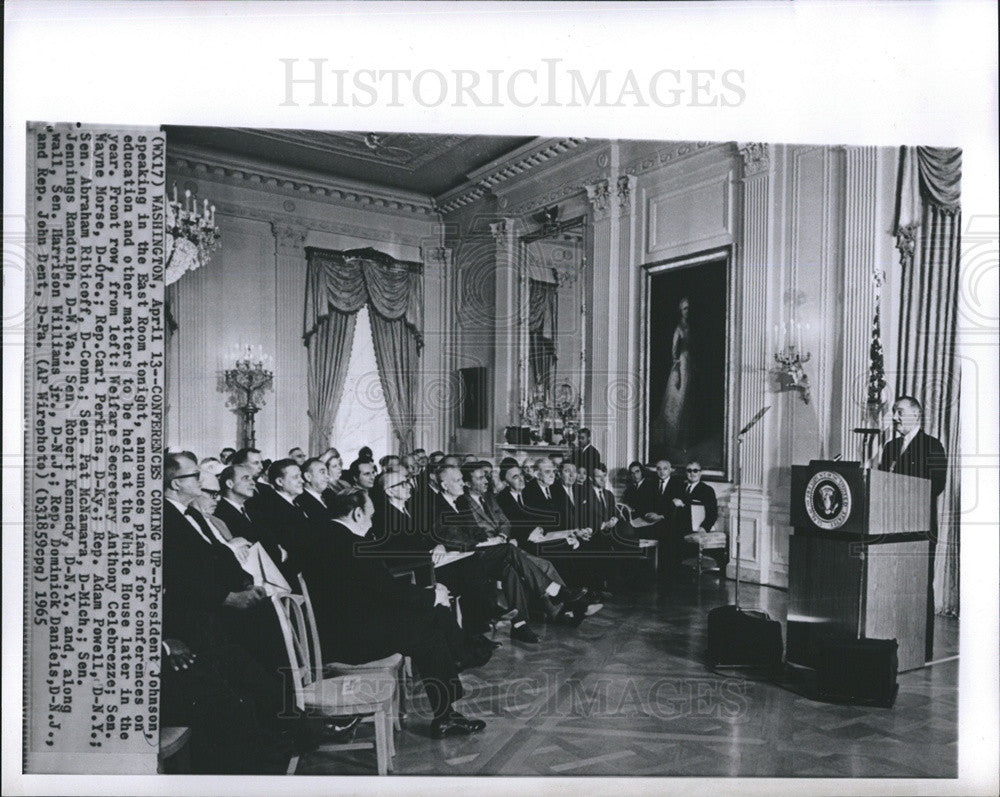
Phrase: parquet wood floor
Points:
(628, 693)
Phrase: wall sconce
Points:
(249, 374)
(789, 372)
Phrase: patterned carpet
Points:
(628, 693)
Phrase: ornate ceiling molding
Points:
(279, 221)
(516, 163)
(235, 170)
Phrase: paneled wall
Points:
(253, 291)
(807, 227)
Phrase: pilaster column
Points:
(290, 426)
(752, 265)
(437, 392)
(596, 372)
(860, 264)
(751, 360)
(509, 324)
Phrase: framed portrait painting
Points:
(687, 378)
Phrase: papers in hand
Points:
(441, 557)
(258, 563)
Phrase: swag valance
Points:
(347, 281)
(931, 175)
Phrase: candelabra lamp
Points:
(192, 235)
(790, 359)
(248, 378)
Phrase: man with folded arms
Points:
(365, 614)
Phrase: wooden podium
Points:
(857, 559)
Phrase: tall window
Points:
(362, 419)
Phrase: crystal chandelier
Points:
(191, 235)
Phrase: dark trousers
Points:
(504, 563)
(467, 578)
(233, 709)
(429, 637)
(929, 641)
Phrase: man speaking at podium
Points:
(912, 452)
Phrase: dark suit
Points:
(633, 495)
(247, 525)
(559, 514)
(314, 508)
(523, 520)
(225, 696)
(397, 537)
(457, 530)
(365, 614)
(288, 523)
(536, 572)
(701, 494)
(588, 458)
(924, 458)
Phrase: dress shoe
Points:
(340, 729)
(522, 633)
(454, 724)
(569, 596)
(502, 615)
(572, 616)
(592, 608)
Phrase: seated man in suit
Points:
(538, 574)
(315, 480)
(634, 490)
(555, 534)
(365, 614)
(210, 682)
(362, 474)
(695, 492)
(237, 487)
(396, 532)
(657, 504)
(289, 524)
(297, 455)
(455, 531)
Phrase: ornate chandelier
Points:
(191, 235)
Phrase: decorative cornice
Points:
(241, 211)
(289, 238)
(518, 162)
(238, 170)
(675, 150)
(756, 157)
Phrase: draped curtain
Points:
(928, 237)
(338, 285)
(543, 298)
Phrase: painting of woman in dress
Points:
(673, 415)
(687, 363)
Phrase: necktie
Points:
(690, 488)
(199, 519)
(663, 487)
(600, 498)
(547, 496)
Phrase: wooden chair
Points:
(705, 540)
(367, 692)
(394, 666)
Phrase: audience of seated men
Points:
(365, 614)
(557, 600)
(210, 682)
